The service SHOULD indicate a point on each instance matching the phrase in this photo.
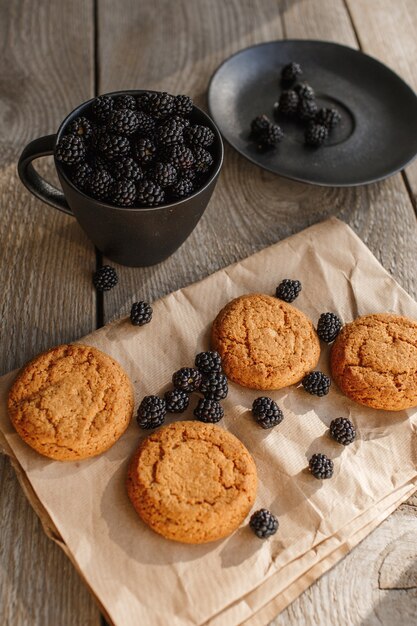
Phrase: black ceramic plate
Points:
(378, 133)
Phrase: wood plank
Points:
(46, 68)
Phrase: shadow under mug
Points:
(130, 236)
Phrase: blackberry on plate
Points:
(209, 361)
(208, 410)
(151, 412)
(304, 91)
(328, 327)
(181, 121)
(203, 160)
(259, 124)
(307, 109)
(159, 104)
(140, 313)
(182, 188)
(144, 150)
(100, 183)
(125, 102)
(180, 156)
(169, 133)
(328, 117)
(70, 150)
(288, 103)
(315, 135)
(141, 101)
(316, 383)
(271, 137)
(321, 466)
(149, 193)
(183, 105)
(266, 412)
(288, 290)
(263, 523)
(80, 126)
(189, 174)
(81, 176)
(126, 167)
(123, 122)
(187, 379)
(176, 401)
(291, 72)
(98, 132)
(105, 278)
(164, 174)
(199, 135)
(102, 107)
(342, 430)
(214, 385)
(113, 146)
(123, 192)
(146, 123)
(99, 162)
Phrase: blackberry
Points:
(288, 290)
(123, 192)
(159, 104)
(149, 193)
(259, 124)
(105, 278)
(169, 133)
(190, 174)
(100, 183)
(70, 150)
(163, 174)
(142, 100)
(125, 102)
(187, 379)
(316, 383)
(263, 523)
(126, 167)
(203, 160)
(328, 117)
(182, 188)
(123, 122)
(181, 121)
(180, 156)
(176, 401)
(307, 109)
(304, 91)
(266, 412)
(99, 162)
(315, 135)
(97, 134)
(146, 123)
(183, 105)
(288, 103)
(198, 135)
(321, 466)
(113, 146)
(342, 430)
(102, 107)
(291, 72)
(140, 313)
(208, 410)
(207, 362)
(271, 137)
(82, 127)
(214, 386)
(328, 327)
(82, 175)
(144, 150)
(151, 412)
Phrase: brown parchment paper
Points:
(140, 578)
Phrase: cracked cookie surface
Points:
(264, 342)
(71, 402)
(192, 482)
(374, 361)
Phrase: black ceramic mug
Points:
(130, 236)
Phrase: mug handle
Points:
(44, 146)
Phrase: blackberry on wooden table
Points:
(105, 278)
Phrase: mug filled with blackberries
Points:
(137, 169)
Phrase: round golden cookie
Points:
(374, 361)
(71, 402)
(264, 342)
(192, 482)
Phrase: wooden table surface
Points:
(55, 55)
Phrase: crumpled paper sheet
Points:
(140, 578)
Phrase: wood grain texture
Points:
(46, 68)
